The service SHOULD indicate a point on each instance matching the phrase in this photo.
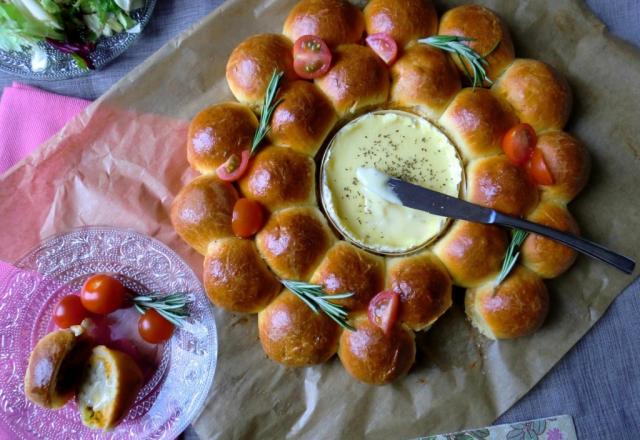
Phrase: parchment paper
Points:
(122, 161)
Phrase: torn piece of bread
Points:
(109, 387)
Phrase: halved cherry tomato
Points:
(311, 57)
(383, 310)
(247, 218)
(69, 311)
(153, 328)
(234, 167)
(384, 46)
(102, 294)
(538, 169)
(518, 143)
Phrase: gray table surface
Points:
(598, 381)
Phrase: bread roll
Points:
(346, 268)
(252, 63)
(335, 21)
(477, 121)
(293, 335)
(569, 163)
(357, 79)
(538, 94)
(514, 308)
(424, 78)
(280, 177)
(472, 252)
(201, 212)
(424, 287)
(293, 242)
(490, 35)
(304, 118)
(217, 132)
(546, 257)
(495, 183)
(373, 357)
(109, 388)
(404, 20)
(55, 367)
(235, 277)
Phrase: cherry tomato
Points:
(538, 169)
(153, 328)
(102, 294)
(384, 46)
(518, 143)
(247, 218)
(383, 310)
(311, 57)
(234, 167)
(69, 311)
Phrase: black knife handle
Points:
(580, 244)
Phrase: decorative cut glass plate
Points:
(62, 66)
(175, 393)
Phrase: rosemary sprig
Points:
(456, 45)
(171, 307)
(268, 106)
(513, 252)
(318, 300)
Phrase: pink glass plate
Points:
(175, 393)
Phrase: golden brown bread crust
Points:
(357, 79)
(127, 381)
(201, 212)
(217, 132)
(252, 63)
(487, 30)
(304, 118)
(293, 335)
(424, 287)
(235, 277)
(424, 78)
(279, 177)
(514, 308)
(373, 357)
(335, 21)
(546, 257)
(42, 381)
(477, 121)
(569, 163)
(293, 241)
(346, 268)
(472, 252)
(538, 94)
(495, 183)
(404, 20)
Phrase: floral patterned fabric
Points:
(553, 428)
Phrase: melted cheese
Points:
(399, 144)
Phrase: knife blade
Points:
(407, 194)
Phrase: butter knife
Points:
(413, 196)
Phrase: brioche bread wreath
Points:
(297, 243)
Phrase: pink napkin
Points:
(28, 117)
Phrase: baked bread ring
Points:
(297, 244)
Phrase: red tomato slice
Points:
(383, 310)
(538, 169)
(247, 218)
(234, 167)
(518, 143)
(384, 46)
(311, 57)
